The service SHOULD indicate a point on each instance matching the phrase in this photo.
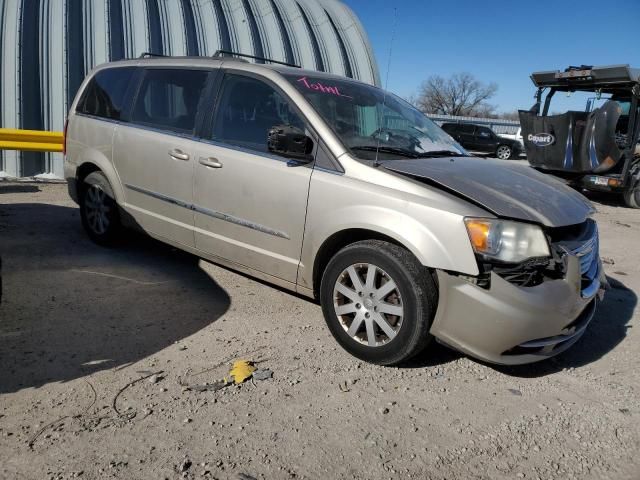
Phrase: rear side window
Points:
(105, 93)
(168, 99)
(465, 128)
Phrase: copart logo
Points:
(541, 139)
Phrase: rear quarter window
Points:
(104, 95)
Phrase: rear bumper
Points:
(508, 324)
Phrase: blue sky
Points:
(498, 41)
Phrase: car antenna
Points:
(376, 163)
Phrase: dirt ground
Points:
(81, 326)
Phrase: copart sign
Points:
(541, 139)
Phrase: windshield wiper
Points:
(440, 153)
(392, 150)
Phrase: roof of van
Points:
(214, 62)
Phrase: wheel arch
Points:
(336, 242)
(106, 168)
(84, 170)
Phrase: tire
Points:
(393, 324)
(99, 210)
(504, 152)
(632, 196)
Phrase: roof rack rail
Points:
(151, 54)
(222, 53)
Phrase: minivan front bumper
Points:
(508, 324)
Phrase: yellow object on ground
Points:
(241, 371)
(32, 140)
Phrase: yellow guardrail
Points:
(32, 140)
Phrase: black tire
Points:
(632, 196)
(416, 287)
(99, 210)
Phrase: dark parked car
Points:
(478, 138)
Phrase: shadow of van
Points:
(71, 308)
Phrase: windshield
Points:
(370, 123)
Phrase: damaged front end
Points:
(523, 312)
(580, 241)
(540, 276)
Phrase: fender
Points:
(425, 220)
(438, 239)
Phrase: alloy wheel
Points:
(368, 304)
(97, 209)
(504, 152)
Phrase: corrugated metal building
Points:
(47, 47)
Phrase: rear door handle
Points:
(178, 154)
(210, 162)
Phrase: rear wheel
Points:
(99, 210)
(378, 301)
(504, 152)
(632, 196)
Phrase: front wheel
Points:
(504, 152)
(379, 302)
(99, 210)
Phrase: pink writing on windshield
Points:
(331, 90)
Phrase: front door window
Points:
(248, 109)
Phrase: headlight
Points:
(505, 240)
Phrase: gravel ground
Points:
(82, 326)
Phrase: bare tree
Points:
(461, 94)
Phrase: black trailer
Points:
(594, 150)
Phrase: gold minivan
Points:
(342, 192)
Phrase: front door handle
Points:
(178, 154)
(210, 162)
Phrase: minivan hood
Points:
(503, 188)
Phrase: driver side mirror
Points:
(290, 142)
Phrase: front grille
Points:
(587, 253)
(585, 245)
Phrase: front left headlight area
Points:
(505, 240)
(518, 252)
